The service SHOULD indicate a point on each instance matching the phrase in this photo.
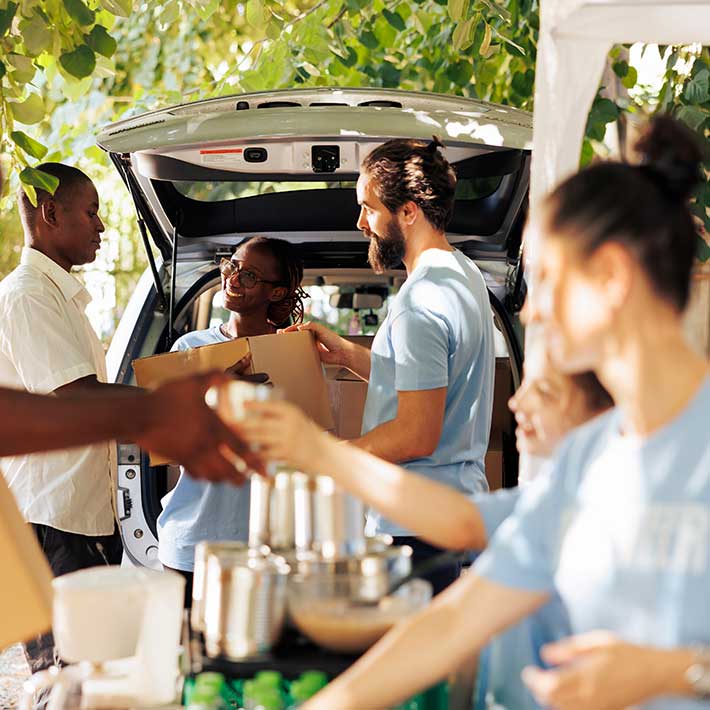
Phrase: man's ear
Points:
(48, 212)
(409, 212)
(278, 294)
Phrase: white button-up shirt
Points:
(46, 341)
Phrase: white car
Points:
(206, 175)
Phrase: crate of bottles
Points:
(270, 690)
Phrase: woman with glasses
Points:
(261, 287)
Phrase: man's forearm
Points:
(70, 420)
(392, 442)
(357, 359)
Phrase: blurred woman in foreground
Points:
(620, 529)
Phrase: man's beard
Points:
(387, 251)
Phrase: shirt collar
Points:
(70, 286)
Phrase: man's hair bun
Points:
(434, 145)
(671, 157)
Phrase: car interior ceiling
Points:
(334, 209)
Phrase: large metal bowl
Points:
(375, 571)
(328, 610)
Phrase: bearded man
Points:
(431, 368)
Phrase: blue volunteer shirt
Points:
(498, 681)
(438, 333)
(621, 531)
(198, 510)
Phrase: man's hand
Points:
(181, 425)
(598, 671)
(336, 350)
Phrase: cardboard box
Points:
(347, 401)
(502, 392)
(494, 461)
(290, 359)
(26, 593)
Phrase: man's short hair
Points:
(405, 170)
(69, 178)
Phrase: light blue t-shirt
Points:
(200, 510)
(621, 531)
(438, 333)
(498, 681)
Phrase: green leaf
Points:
(79, 12)
(39, 179)
(29, 111)
(697, 90)
(36, 35)
(74, 90)
(486, 44)
(495, 8)
(32, 147)
(6, 17)
(79, 63)
(390, 75)
(692, 116)
(23, 69)
(458, 9)
(587, 154)
(122, 8)
(621, 69)
(3, 71)
(274, 28)
(603, 111)
(30, 192)
(394, 19)
(205, 8)
(463, 34)
(368, 39)
(256, 14)
(629, 81)
(460, 73)
(169, 13)
(350, 60)
(703, 249)
(101, 41)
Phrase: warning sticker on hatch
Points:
(220, 156)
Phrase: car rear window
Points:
(221, 191)
(469, 188)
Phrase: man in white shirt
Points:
(47, 345)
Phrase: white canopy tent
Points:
(575, 39)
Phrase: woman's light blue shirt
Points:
(200, 510)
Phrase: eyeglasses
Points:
(246, 279)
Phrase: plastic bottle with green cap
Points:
(268, 679)
(207, 692)
(309, 683)
(261, 698)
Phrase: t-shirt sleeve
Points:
(420, 342)
(496, 507)
(522, 552)
(42, 347)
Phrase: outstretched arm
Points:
(439, 514)
(173, 420)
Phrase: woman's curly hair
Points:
(290, 269)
